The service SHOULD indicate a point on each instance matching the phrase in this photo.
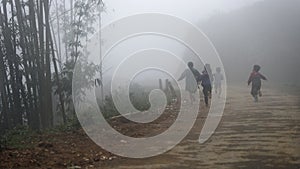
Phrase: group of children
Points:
(193, 78)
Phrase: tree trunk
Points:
(58, 36)
(26, 55)
(36, 66)
(3, 80)
(18, 115)
(65, 32)
(48, 121)
(60, 94)
(14, 94)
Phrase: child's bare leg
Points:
(254, 93)
(216, 89)
(259, 93)
(205, 92)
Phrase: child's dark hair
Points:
(256, 68)
(190, 64)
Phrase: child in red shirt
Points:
(255, 79)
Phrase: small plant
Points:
(139, 98)
(18, 137)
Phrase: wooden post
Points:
(167, 86)
(160, 84)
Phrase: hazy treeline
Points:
(266, 33)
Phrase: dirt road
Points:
(251, 135)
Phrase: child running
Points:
(255, 79)
(206, 83)
(207, 69)
(191, 75)
(218, 77)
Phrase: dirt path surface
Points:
(251, 135)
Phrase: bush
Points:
(18, 137)
(139, 98)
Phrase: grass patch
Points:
(18, 138)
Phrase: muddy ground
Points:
(251, 135)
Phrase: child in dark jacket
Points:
(206, 83)
(255, 79)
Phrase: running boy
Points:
(218, 77)
(206, 83)
(191, 75)
(255, 79)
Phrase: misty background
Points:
(264, 32)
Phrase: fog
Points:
(244, 33)
(192, 10)
(265, 33)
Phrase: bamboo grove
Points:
(31, 63)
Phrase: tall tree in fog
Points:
(78, 23)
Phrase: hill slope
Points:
(267, 33)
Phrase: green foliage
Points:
(71, 125)
(139, 98)
(81, 25)
(22, 137)
(84, 69)
(18, 137)
(108, 109)
(78, 25)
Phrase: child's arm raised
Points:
(263, 77)
(182, 76)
